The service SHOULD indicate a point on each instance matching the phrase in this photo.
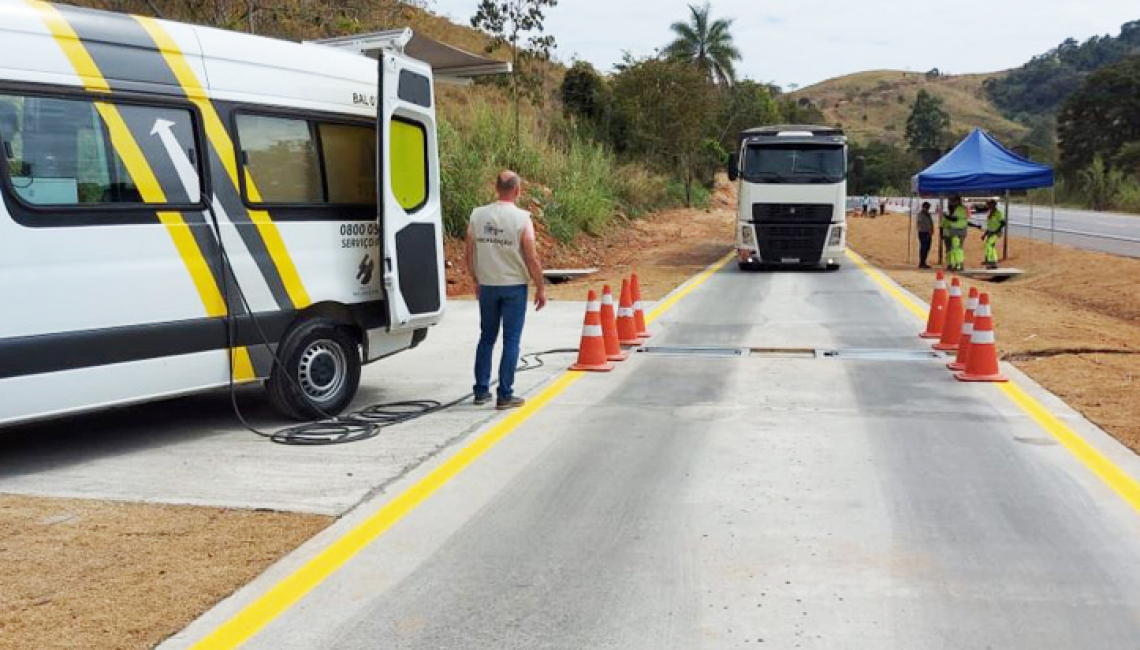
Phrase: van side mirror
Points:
(733, 166)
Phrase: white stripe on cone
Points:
(939, 284)
(624, 312)
(972, 303)
(955, 291)
(967, 329)
(592, 331)
(982, 337)
(607, 299)
(594, 306)
(983, 310)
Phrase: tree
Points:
(668, 108)
(708, 45)
(1100, 117)
(516, 23)
(885, 166)
(583, 91)
(1100, 184)
(928, 123)
(746, 104)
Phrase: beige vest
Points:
(498, 230)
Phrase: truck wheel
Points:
(318, 371)
(748, 266)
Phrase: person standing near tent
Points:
(995, 224)
(924, 224)
(866, 205)
(958, 220)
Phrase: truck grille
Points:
(797, 213)
(802, 243)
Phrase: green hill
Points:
(874, 105)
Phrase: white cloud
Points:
(806, 41)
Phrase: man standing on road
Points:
(958, 221)
(502, 257)
(995, 223)
(924, 224)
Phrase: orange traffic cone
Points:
(967, 329)
(982, 364)
(952, 326)
(937, 309)
(609, 327)
(592, 350)
(638, 312)
(626, 326)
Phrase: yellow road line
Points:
(223, 145)
(1119, 481)
(254, 617)
(666, 304)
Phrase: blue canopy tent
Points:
(980, 165)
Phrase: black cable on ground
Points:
(334, 430)
(369, 421)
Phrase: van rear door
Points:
(411, 218)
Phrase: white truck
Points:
(792, 196)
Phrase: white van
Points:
(175, 197)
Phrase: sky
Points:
(803, 42)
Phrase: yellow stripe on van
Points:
(72, 47)
(243, 366)
(223, 145)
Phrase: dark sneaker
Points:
(482, 399)
(509, 403)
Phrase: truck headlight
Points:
(836, 236)
(747, 236)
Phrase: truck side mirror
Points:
(733, 167)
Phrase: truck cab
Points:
(792, 195)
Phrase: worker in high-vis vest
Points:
(959, 222)
(995, 224)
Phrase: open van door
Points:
(410, 214)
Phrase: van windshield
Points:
(794, 163)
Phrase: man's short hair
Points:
(926, 205)
(506, 181)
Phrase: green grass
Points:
(576, 184)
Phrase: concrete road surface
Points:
(1106, 232)
(703, 501)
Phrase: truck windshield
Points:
(794, 163)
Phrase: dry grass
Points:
(1072, 322)
(101, 574)
(845, 100)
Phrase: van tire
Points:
(318, 370)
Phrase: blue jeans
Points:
(506, 305)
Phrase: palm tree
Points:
(708, 44)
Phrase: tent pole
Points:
(909, 227)
(938, 230)
(1030, 227)
(1005, 231)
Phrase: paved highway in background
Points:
(1107, 232)
(699, 498)
(1098, 231)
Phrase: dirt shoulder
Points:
(100, 574)
(1072, 321)
(665, 248)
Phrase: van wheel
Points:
(318, 373)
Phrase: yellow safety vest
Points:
(995, 222)
(960, 218)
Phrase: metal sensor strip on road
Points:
(853, 354)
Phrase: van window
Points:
(281, 160)
(350, 163)
(77, 152)
(408, 155)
